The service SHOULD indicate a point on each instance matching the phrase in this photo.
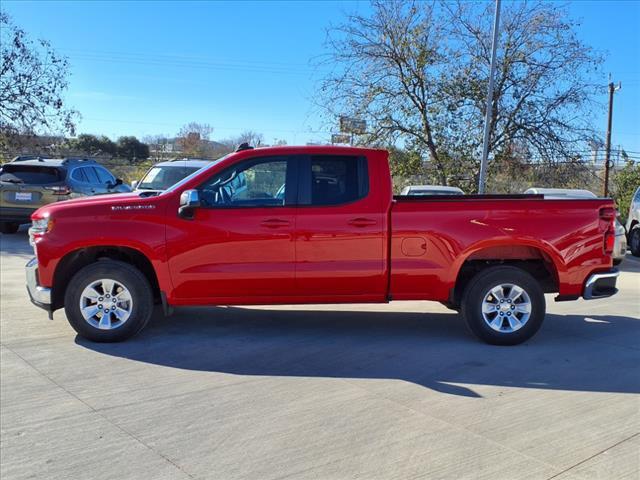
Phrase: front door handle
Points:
(274, 223)
(362, 222)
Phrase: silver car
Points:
(633, 224)
(420, 190)
(166, 174)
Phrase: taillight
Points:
(59, 190)
(607, 224)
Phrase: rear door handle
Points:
(275, 223)
(362, 222)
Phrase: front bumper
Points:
(40, 296)
(601, 285)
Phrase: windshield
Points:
(161, 178)
(187, 178)
(30, 174)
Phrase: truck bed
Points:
(433, 236)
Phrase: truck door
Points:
(340, 227)
(240, 242)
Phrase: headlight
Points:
(39, 227)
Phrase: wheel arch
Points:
(79, 258)
(542, 263)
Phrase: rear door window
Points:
(31, 174)
(103, 175)
(334, 180)
(91, 174)
(79, 176)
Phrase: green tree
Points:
(132, 149)
(404, 163)
(625, 183)
(93, 145)
(33, 78)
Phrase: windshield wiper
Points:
(11, 180)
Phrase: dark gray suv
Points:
(26, 185)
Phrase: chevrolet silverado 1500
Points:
(309, 225)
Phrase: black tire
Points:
(9, 227)
(480, 287)
(123, 274)
(634, 241)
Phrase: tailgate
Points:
(22, 196)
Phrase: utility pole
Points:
(607, 153)
(489, 110)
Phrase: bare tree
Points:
(418, 72)
(544, 88)
(33, 78)
(254, 139)
(193, 139)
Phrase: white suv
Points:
(633, 224)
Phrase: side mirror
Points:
(134, 184)
(189, 201)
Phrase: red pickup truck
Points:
(309, 225)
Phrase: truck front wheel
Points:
(503, 305)
(108, 301)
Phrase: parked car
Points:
(165, 174)
(336, 236)
(561, 192)
(26, 185)
(633, 224)
(431, 190)
(620, 247)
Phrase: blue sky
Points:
(142, 68)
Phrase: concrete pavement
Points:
(397, 391)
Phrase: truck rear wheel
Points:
(108, 301)
(503, 305)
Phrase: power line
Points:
(196, 62)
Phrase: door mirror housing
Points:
(189, 201)
(114, 184)
(134, 184)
